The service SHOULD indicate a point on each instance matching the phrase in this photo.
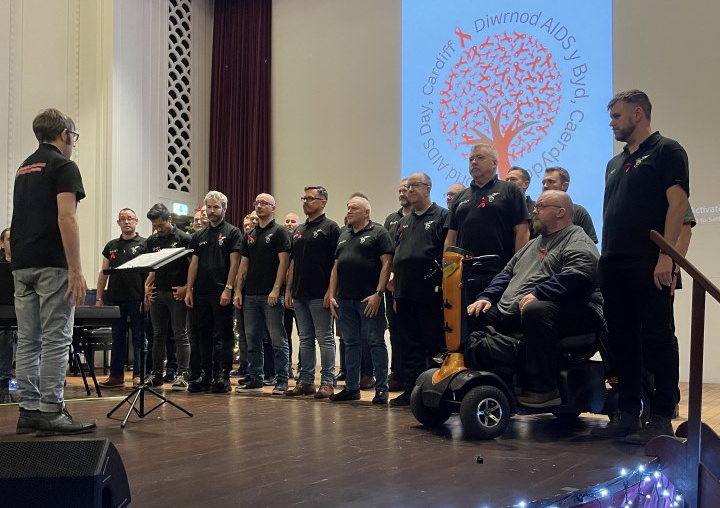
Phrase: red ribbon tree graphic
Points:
(504, 91)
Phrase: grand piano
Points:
(87, 318)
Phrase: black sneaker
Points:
(344, 395)
(61, 423)
(381, 397)
(341, 376)
(169, 376)
(221, 384)
(154, 379)
(622, 424)
(253, 384)
(27, 421)
(401, 400)
(201, 384)
(657, 426)
(271, 381)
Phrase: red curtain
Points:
(240, 103)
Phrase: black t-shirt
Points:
(36, 240)
(484, 218)
(358, 260)
(635, 196)
(392, 222)
(313, 253)
(261, 246)
(417, 263)
(175, 273)
(213, 246)
(124, 287)
(530, 205)
(581, 217)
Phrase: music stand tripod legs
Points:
(138, 395)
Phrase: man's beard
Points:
(538, 226)
(624, 134)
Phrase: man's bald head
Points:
(264, 206)
(553, 212)
(452, 191)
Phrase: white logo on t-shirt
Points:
(366, 237)
(428, 224)
(464, 201)
(267, 238)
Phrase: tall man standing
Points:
(165, 291)
(47, 274)
(213, 268)
(646, 188)
(363, 261)
(258, 290)
(490, 216)
(417, 265)
(126, 290)
(313, 256)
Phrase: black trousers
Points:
(641, 333)
(423, 336)
(216, 333)
(194, 336)
(542, 324)
(396, 338)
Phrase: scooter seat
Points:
(575, 348)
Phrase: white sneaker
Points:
(181, 382)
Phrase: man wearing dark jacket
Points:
(548, 290)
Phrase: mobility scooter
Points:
(485, 398)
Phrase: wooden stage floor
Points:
(266, 451)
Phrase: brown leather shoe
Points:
(301, 389)
(113, 382)
(366, 382)
(325, 391)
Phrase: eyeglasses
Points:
(416, 184)
(127, 219)
(540, 206)
(261, 202)
(310, 199)
(75, 135)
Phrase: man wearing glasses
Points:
(47, 274)
(548, 290)
(417, 265)
(313, 256)
(127, 291)
(265, 253)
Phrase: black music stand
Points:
(149, 262)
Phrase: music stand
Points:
(145, 263)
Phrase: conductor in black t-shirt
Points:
(213, 268)
(47, 274)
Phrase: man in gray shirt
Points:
(548, 290)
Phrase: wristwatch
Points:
(228, 286)
(379, 292)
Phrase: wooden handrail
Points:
(686, 265)
(688, 458)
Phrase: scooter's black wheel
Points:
(485, 412)
(428, 416)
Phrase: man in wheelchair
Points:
(547, 291)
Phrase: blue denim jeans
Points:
(354, 326)
(45, 324)
(118, 353)
(259, 314)
(315, 322)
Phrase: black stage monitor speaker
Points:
(62, 474)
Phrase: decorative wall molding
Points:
(179, 125)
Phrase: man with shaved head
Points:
(548, 290)
(359, 277)
(258, 291)
(452, 192)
